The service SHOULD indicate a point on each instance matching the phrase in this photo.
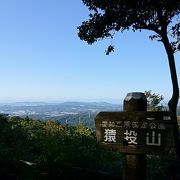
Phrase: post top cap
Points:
(135, 95)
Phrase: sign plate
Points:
(135, 132)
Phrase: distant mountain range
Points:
(76, 103)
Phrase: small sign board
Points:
(138, 132)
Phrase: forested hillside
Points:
(32, 148)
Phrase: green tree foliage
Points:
(159, 16)
(153, 101)
(50, 147)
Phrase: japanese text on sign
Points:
(133, 125)
(153, 138)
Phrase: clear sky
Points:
(42, 58)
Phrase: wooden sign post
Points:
(134, 165)
(135, 132)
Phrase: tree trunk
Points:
(175, 96)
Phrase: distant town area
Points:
(72, 113)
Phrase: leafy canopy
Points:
(153, 101)
(108, 16)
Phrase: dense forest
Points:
(33, 149)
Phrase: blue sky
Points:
(42, 58)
